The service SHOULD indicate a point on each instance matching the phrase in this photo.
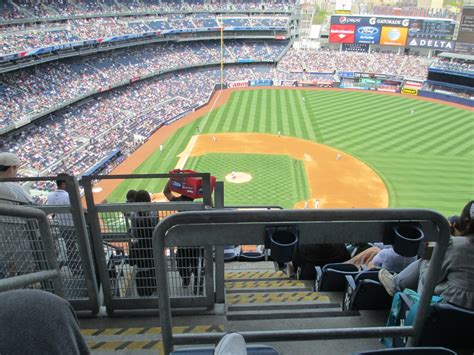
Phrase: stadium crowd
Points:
(24, 37)
(32, 91)
(19, 9)
(327, 61)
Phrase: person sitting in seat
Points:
(310, 255)
(456, 279)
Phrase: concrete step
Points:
(266, 286)
(253, 315)
(137, 340)
(231, 276)
(260, 298)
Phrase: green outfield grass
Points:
(274, 177)
(425, 159)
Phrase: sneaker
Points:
(386, 279)
(231, 344)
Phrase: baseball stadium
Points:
(251, 177)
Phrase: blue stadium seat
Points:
(416, 351)
(332, 277)
(446, 325)
(365, 292)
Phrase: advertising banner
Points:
(238, 84)
(368, 34)
(261, 82)
(355, 47)
(413, 84)
(444, 45)
(376, 21)
(346, 74)
(409, 91)
(342, 34)
(394, 36)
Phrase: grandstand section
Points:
(312, 145)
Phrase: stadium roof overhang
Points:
(464, 57)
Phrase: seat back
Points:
(333, 276)
(449, 326)
(370, 294)
(418, 351)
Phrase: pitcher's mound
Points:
(237, 177)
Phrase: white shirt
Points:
(59, 198)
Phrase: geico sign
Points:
(409, 91)
(389, 21)
(431, 43)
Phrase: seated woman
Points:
(456, 279)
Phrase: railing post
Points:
(219, 260)
(83, 244)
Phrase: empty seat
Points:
(365, 292)
(332, 277)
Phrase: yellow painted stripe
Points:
(235, 275)
(276, 298)
(152, 330)
(264, 284)
(119, 345)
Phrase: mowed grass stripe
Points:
(295, 110)
(232, 112)
(308, 130)
(251, 119)
(274, 112)
(285, 114)
(243, 112)
(290, 102)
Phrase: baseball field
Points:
(324, 148)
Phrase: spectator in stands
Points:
(65, 231)
(381, 256)
(456, 279)
(141, 250)
(38, 322)
(310, 255)
(10, 192)
(187, 259)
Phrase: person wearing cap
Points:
(455, 283)
(10, 192)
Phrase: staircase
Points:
(259, 295)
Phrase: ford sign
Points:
(368, 30)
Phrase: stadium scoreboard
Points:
(392, 31)
(465, 40)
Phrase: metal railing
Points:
(218, 228)
(27, 251)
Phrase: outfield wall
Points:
(445, 97)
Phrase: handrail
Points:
(322, 226)
(53, 273)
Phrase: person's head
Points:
(131, 195)
(463, 224)
(9, 164)
(142, 196)
(61, 181)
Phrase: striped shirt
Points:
(14, 194)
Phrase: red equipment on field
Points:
(188, 186)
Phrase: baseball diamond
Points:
(413, 160)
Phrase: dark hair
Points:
(60, 181)
(142, 196)
(131, 195)
(466, 219)
(4, 167)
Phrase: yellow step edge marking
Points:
(152, 330)
(126, 345)
(231, 275)
(275, 298)
(264, 284)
